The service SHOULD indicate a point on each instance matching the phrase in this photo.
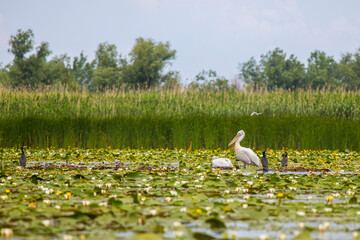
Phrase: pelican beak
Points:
(234, 140)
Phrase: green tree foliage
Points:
(209, 80)
(82, 70)
(145, 66)
(349, 70)
(322, 71)
(252, 74)
(106, 74)
(31, 70)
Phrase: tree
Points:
(107, 74)
(209, 80)
(252, 74)
(280, 72)
(146, 63)
(82, 70)
(28, 71)
(322, 70)
(349, 70)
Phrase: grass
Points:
(182, 119)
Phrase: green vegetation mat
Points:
(167, 194)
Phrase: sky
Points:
(206, 34)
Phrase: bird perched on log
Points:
(22, 158)
(265, 162)
(284, 160)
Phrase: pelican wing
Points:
(241, 156)
(254, 160)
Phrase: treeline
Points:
(145, 67)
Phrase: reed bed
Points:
(180, 119)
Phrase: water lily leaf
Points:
(60, 177)
(114, 202)
(79, 176)
(146, 236)
(215, 223)
(303, 236)
(202, 236)
(159, 229)
(117, 177)
(353, 200)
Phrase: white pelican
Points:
(221, 163)
(246, 155)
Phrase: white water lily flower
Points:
(177, 224)
(300, 213)
(272, 190)
(179, 234)
(9, 178)
(246, 197)
(168, 199)
(245, 190)
(355, 235)
(202, 178)
(6, 233)
(282, 236)
(314, 210)
(264, 237)
(46, 222)
(292, 188)
(238, 189)
(245, 205)
(68, 237)
(309, 197)
(229, 200)
(198, 186)
(328, 209)
(153, 212)
(47, 201)
(108, 185)
(270, 195)
(183, 209)
(336, 195)
(301, 225)
(173, 193)
(226, 191)
(57, 207)
(104, 204)
(4, 197)
(103, 191)
(86, 203)
(250, 183)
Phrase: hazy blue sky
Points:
(207, 34)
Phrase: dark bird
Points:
(22, 158)
(284, 160)
(265, 162)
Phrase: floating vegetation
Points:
(167, 194)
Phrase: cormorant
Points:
(265, 162)
(284, 160)
(22, 158)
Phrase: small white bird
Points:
(221, 163)
(254, 113)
